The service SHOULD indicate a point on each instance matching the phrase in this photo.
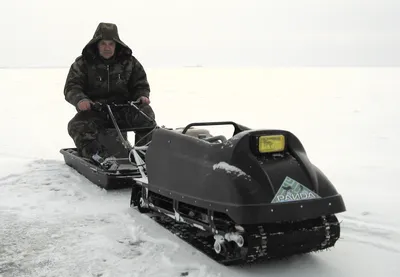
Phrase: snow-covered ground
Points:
(54, 222)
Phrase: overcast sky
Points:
(207, 32)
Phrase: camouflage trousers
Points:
(86, 126)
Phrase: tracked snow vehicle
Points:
(253, 196)
(250, 197)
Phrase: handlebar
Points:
(107, 107)
(100, 105)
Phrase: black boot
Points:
(109, 163)
(100, 156)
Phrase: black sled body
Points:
(109, 180)
(235, 203)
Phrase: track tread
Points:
(264, 242)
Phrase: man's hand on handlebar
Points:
(143, 100)
(84, 105)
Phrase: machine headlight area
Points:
(271, 143)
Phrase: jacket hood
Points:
(107, 31)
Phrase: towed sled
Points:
(117, 143)
(251, 197)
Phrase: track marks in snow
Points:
(361, 229)
(78, 246)
(57, 223)
(43, 188)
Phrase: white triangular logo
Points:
(292, 190)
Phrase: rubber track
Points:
(263, 242)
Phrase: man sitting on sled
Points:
(106, 72)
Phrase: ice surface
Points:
(54, 222)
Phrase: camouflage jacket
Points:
(121, 78)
